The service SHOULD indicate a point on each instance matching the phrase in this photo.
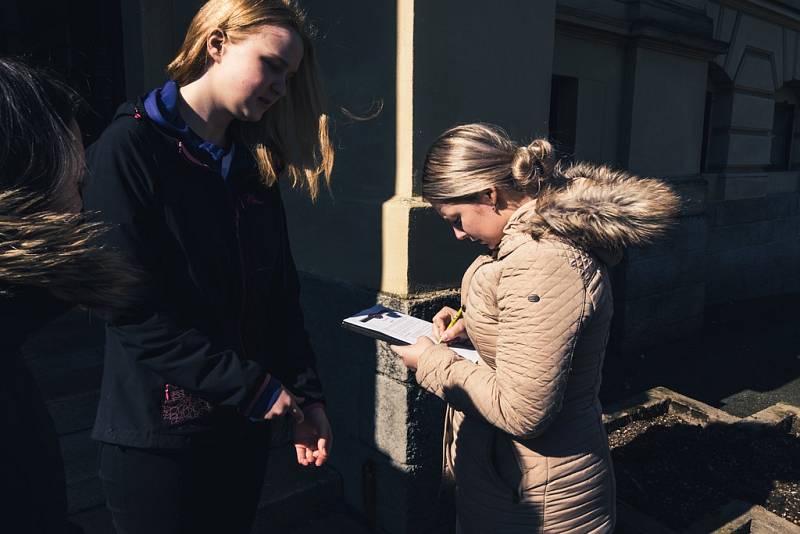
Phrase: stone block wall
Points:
(754, 248)
(388, 432)
(660, 290)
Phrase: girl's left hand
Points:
(313, 438)
(411, 353)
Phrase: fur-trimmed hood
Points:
(598, 209)
(56, 251)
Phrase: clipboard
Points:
(397, 328)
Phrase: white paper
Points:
(401, 326)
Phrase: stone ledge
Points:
(735, 517)
(780, 415)
(746, 519)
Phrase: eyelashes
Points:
(278, 69)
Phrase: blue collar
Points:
(161, 105)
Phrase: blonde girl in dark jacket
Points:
(187, 176)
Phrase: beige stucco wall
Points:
(433, 65)
(666, 114)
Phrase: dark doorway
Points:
(564, 115)
(782, 134)
(80, 40)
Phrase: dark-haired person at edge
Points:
(47, 265)
(524, 438)
(195, 380)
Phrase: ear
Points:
(215, 45)
(490, 196)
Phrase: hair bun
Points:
(533, 163)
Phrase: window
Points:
(706, 132)
(782, 129)
(564, 115)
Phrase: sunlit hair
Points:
(42, 244)
(39, 153)
(469, 159)
(292, 137)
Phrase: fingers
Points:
(441, 320)
(305, 455)
(300, 451)
(321, 454)
(313, 439)
(404, 352)
(456, 331)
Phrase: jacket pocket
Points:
(503, 464)
(179, 407)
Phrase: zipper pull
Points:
(166, 391)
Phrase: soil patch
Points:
(676, 471)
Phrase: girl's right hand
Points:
(440, 322)
(286, 404)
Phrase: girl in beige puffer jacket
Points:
(524, 438)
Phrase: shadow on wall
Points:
(388, 432)
(80, 41)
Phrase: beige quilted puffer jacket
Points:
(524, 438)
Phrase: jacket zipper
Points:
(233, 204)
(242, 273)
(137, 114)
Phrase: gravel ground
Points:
(677, 471)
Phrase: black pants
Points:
(212, 486)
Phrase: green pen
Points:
(453, 322)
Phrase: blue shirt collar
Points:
(161, 105)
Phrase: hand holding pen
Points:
(447, 325)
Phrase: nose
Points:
(460, 234)
(279, 87)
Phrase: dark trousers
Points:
(212, 486)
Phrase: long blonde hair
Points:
(466, 160)
(292, 137)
